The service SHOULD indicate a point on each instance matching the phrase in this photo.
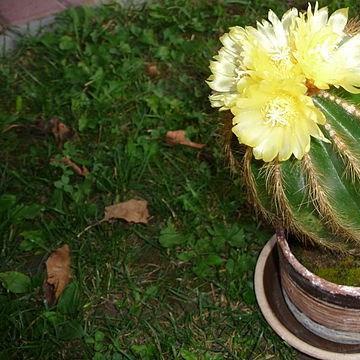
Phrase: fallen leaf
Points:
(60, 131)
(152, 70)
(179, 137)
(58, 274)
(82, 171)
(135, 211)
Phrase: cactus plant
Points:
(318, 197)
(298, 150)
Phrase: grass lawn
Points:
(179, 287)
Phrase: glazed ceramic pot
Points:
(329, 310)
(315, 316)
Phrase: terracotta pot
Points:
(317, 317)
(329, 310)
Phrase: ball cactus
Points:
(318, 197)
(295, 129)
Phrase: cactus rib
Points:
(318, 197)
(350, 160)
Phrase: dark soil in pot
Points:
(342, 269)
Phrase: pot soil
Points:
(315, 316)
(342, 269)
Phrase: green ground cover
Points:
(179, 287)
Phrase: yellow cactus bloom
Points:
(265, 76)
(326, 54)
(250, 55)
(277, 119)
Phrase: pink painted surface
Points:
(75, 2)
(18, 12)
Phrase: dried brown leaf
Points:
(179, 137)
(60, 131)
(135, 211)
(82, 171)
(58, 273)
(152, 70)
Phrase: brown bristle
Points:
(353, 26)
(250, 183)
(352, 164)
(234, 151)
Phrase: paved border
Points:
(37, 16)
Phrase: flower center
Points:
(282, 54)
(278, 112)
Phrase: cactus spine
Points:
(316, 198)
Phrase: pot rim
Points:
(328, 286)
(270, 316)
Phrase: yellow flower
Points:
(250, 55)
(277, 119)
(261, 74)
(325, 53)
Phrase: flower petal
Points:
(288, 18)
(338, 20)
(277, 122)
(270, 145)
(224, 101)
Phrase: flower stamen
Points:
(281, 55)
(278, 112)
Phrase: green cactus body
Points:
(316, 198)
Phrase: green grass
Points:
(179, 287)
